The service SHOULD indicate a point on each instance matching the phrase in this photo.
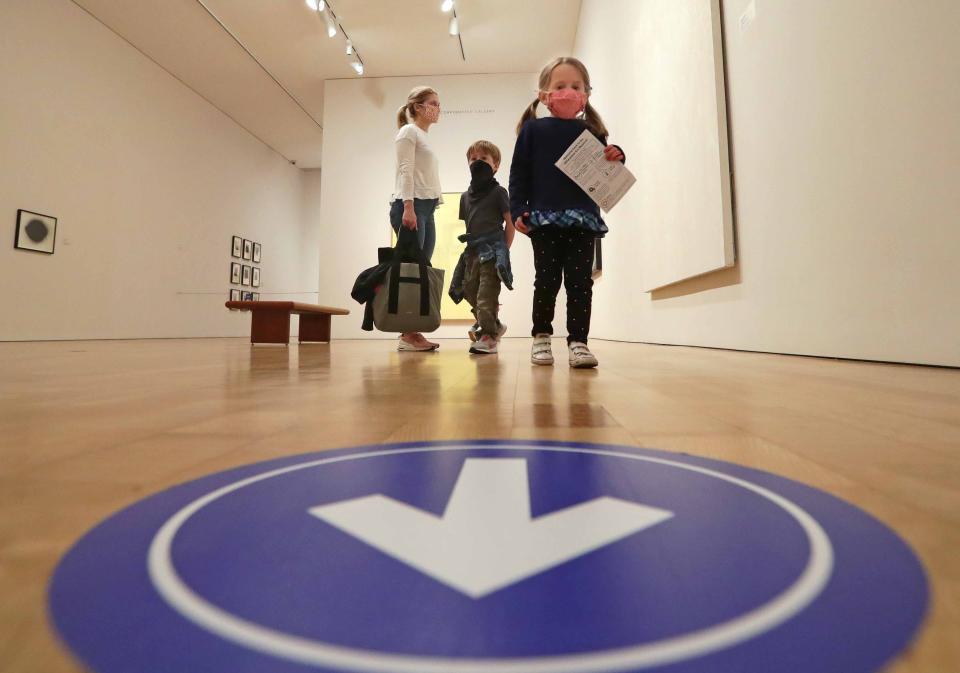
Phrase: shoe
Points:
(472, 332)
(414, 344)
(486, 345)
(501, 330)
(433, 344)
(581, 357)
(541, 352)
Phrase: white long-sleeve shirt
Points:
(418, 172)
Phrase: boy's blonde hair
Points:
(485, 146)
(590, 115)
(408, 111)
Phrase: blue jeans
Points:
(426, 228)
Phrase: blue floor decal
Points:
(493, 557)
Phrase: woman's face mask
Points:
(566, 103)
(430, 112)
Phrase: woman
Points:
(417, 192)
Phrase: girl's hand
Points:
(612, 153)
(520, 226)
(409, 218)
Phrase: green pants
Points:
(481, 289)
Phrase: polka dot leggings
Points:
(563, 256)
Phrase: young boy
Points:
(485, 207)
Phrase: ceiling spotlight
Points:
(454, 26)
(357, 66)
(331, 26)
(312, 4)
(446, 5)
(321, 5)
(349, 47)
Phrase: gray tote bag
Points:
(409, 300)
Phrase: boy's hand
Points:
(612, 153)
(509, 230)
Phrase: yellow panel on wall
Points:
(447, 253)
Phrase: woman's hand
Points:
(612, 153)
(519, 225)
(409, 219)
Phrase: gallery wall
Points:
(148, 182)
(845, 151)
(359, 168)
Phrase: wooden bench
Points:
(270, 323)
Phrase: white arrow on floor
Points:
(486, 539)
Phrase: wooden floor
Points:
(89, 427)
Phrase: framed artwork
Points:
(256, 276)
(245, 276)
(248, 296)
(236, 249)
(256, 253)
(247, 249)
(35, 232)
(256, 296)
(234, 295)
(235, 273)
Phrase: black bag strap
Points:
(407, 243)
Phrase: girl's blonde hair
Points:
(408, 111)
(590, 114)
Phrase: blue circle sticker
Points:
(489, 557)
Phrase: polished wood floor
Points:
(89, 427)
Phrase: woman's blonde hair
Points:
(590, 114)
(408, 111)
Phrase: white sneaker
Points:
(485, 345)
(414, 344)
(541, 353)
(501, 331)
(472, 332)
(581, 357)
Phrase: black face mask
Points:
(481, 178)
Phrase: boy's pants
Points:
(481, 289)
(563, 256)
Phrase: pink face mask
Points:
(431, 113)
(566, 103)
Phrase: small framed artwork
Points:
(248, 296)
(256, 276)
(236, 247)
(256, 253)
(35, 232)
(235, 273)
(247, 249)
(245, 276)
(234, 295)
(256, 296)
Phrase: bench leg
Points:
(315, 327)
(270, 327)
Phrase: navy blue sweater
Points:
(535, 182)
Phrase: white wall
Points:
(359, 167)
(845, 145)
(149, 182)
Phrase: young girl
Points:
(417, 191)
(561, 220)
